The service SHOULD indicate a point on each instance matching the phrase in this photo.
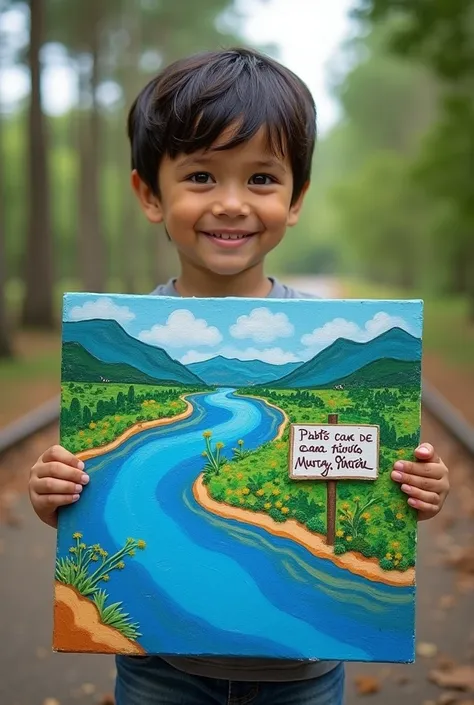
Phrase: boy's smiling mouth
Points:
(228, 238)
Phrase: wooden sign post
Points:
(333, 452)
(331, 497)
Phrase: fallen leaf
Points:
(459, 677)
(426, 650)
(448, 698)
(88, 688)
(107, 700)
(367, 685)
(446, 601)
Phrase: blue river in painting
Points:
(209, 585)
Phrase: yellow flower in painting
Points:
(242, 500)
(73, 549)
(83, 546)
(349, 538)
(145, 403)
(273, 464)
(141, 544)
(238, 492)
(399, 515)
(267, 505)
(278, 505)
(398, 556)
(92, 424)
(219, 445)
(356, 499)
(81, 433)
(276, 492)
(240, 442)
(94, 557)
(239, 476)
(340, 533)
(395, 544)
(286, 497)
(228, 492)
(227, 468)
(346, 505)
(77, 535)
(207, 434)
(204, 454)
(245, 490)
(106, 578)
(366, 515)
(388, 556)
(260, 492)
(89, 440)
(284, 510)
(121, 565)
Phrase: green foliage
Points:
(373, 521)
(87, 567)
(95, 414)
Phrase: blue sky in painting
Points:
(274, 331)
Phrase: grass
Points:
(87, 566)
(373, 520)
(446, 329)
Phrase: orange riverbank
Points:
(133, 430)
(315, 543)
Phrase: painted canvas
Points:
(240, 500)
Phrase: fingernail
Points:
(78, 488)
(397, 476)
(75, 497)
(405, 488)
(412, 502)
(80, 465)
(84, 479)
(398, 465)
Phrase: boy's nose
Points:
(231, 203)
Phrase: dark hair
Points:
(191, 102)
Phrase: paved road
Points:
(30, 673)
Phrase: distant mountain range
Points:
(231, 372)
(347, 357)
(381, 373)
(105, 341)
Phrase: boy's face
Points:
(224, 210)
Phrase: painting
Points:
(240, 502)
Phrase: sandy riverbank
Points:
(315, 543)
(133, 430)
(77, 626)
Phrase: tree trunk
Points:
(91, 246)
(38, 308)
(5, 344)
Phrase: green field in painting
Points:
(94, 415)
(372, 518)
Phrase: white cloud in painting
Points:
(181, 330)
(342, 328)
(274, 356)
(104, 308)
(262, 326)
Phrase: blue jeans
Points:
(152, 681)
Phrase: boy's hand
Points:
(56, 479)
(426, 481)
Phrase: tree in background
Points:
(441, 34)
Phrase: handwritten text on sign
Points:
(334, 452)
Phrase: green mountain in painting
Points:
(381, 373)
(78, 365)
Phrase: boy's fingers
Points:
(429, 484)
(426, 452)
(50, 502)
(431, 498)
(406, 467)
(52, 486)
(424, 507)
(61, 472)
(63, 456)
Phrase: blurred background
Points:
(390, 213)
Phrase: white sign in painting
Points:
(334, 452)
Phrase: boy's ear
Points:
(148, 200)
(295, 209)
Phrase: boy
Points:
(222, 145)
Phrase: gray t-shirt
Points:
(246, 669)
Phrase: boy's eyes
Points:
(203, 177)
